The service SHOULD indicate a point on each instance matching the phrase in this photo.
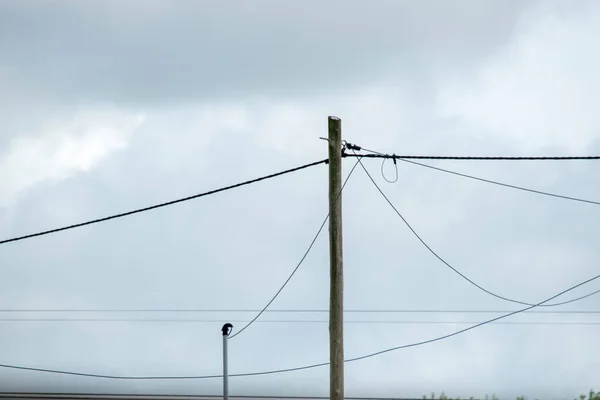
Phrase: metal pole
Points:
(226, 329)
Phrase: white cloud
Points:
(63, 149)
(540, 89)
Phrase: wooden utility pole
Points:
(336, 291)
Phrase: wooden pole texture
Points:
(336, 305)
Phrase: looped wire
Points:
(395, 168)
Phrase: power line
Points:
(112, 396)
(470, 158)
(474, 326)
(205, 310)
(298, 321)
(301, 260)
(493, 182)
(139, 210)
(504, 184)
(306, 367)
(454, 269)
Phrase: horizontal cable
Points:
(112, 396)
(305, 367)
(404, 159)
(140, 210)
(472, 158)
(299, 321)
(308, 310)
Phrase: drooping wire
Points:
(434, 253)
(301, 260)
(279, 371)
(139, 210)
(395, 169)
(473, 326)
(493, 182)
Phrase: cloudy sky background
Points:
(113, 105)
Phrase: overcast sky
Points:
(112, 105)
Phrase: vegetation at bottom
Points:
(590, 396)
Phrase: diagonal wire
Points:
(473, 326)
(454, 269)
(560, 196)
(301, 260)
(303, 367)
(168, 203)
(493, 182)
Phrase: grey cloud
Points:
(107, 51)
(247, 241)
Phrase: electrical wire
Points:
(279, 371)
(298, 321)
(84, 396)
(113, 396)
(456, 270)
(395, 169)
(504, 184)
(473, 326)
(139, 210)
(301, 260)
(474, 158)
(106, 310)
(493, 182)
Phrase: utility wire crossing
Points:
(434, 253)
(301, 260)
(306, 367)
(353, 148)
(376, 154)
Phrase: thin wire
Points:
(395, 169)
(103, 376)
(427, 341)
(487, 180)
(454, 269)
(297, 368)
(299, 321)
(139, 210)
(504, 184)
(73, 396)
(287, 311)
(473, 326)
(279, 371)
(472, 158)
(301, 260)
